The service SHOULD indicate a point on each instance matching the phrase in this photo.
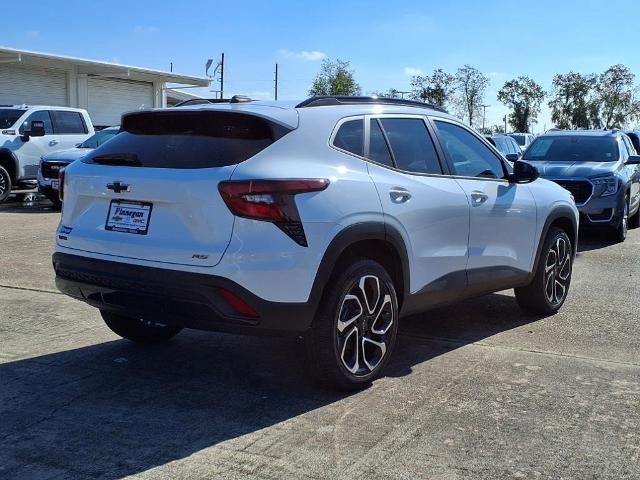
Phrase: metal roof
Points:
(95, 67)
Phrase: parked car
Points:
(329, 220)
(506, 145)
(29, 132)
(600, 168)
(523, 139)
(634, 136)
(51, 164)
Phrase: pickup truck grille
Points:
(51, 169)
(580, 189)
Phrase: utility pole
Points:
(505, 123)
(402, 94)
(171, 67)
(222, 77)
(484, 114)
(276, 83)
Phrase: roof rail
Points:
(203, 101)
(328, 100)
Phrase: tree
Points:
(572, 101)
(471, 85)
(334, 78)
(437, 88)
(524, 97)
(391, 93)
(616, 97)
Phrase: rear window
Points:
(520, 139)
(202, 139)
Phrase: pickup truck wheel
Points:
(550, 286)
(137, 329)
(5, 184)
(619, 233)
(355, 329)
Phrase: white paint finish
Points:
(32, 85)
(109, 98)
(502, 226)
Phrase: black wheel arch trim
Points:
(350, 235)
(16, 163)
(559, 212)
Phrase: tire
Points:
(138, 330)
(55, 200)
(634, 222)
(347, 349)
(619, 233)
(550, 285)
(5, 184)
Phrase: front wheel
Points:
(5, 184)
(137, 329)
(619, 233)
(550, 286)
(355, 329)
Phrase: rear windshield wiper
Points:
(127, 159)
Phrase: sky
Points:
(386, 42)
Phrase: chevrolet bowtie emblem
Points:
(118, 187)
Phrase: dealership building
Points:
(106, 90)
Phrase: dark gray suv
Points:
(600, 168)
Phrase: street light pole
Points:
(484, 114)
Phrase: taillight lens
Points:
(271, 201)
(61, 176)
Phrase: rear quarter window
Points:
(202, 139)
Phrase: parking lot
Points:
(477, 390)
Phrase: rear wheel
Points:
(550, 286)
(355, 329)
(5, 184)
(137, 329)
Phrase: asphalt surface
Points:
(476, 390)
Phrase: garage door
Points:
(32, 85)
(109, 99)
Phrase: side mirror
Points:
(633, 160)
(36, 130)
(512, 157)
(524, 172)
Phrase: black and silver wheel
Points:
(620, 232)
(634, 221)
(355, 329)
(138, 329)
(5, 184)
(550, 286)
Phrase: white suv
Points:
(29, 132)
(329, 219)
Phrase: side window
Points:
(470, 157)
(378, 149)
(68, 122)
(411, 145)
(43, 116)
(630, 147)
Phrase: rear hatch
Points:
(151, 193)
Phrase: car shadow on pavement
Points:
(115, 409)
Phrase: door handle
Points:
(399, 195)
(478, 198)
(53, 142)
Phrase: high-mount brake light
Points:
(61, 175)
(271, 201)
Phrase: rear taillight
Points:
(61, 176)
(271, 201)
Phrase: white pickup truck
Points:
(29, 132)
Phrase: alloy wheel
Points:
(625, 220)
(557, 272)
(364, 325)
(3, 185)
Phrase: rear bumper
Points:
(185, 299)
